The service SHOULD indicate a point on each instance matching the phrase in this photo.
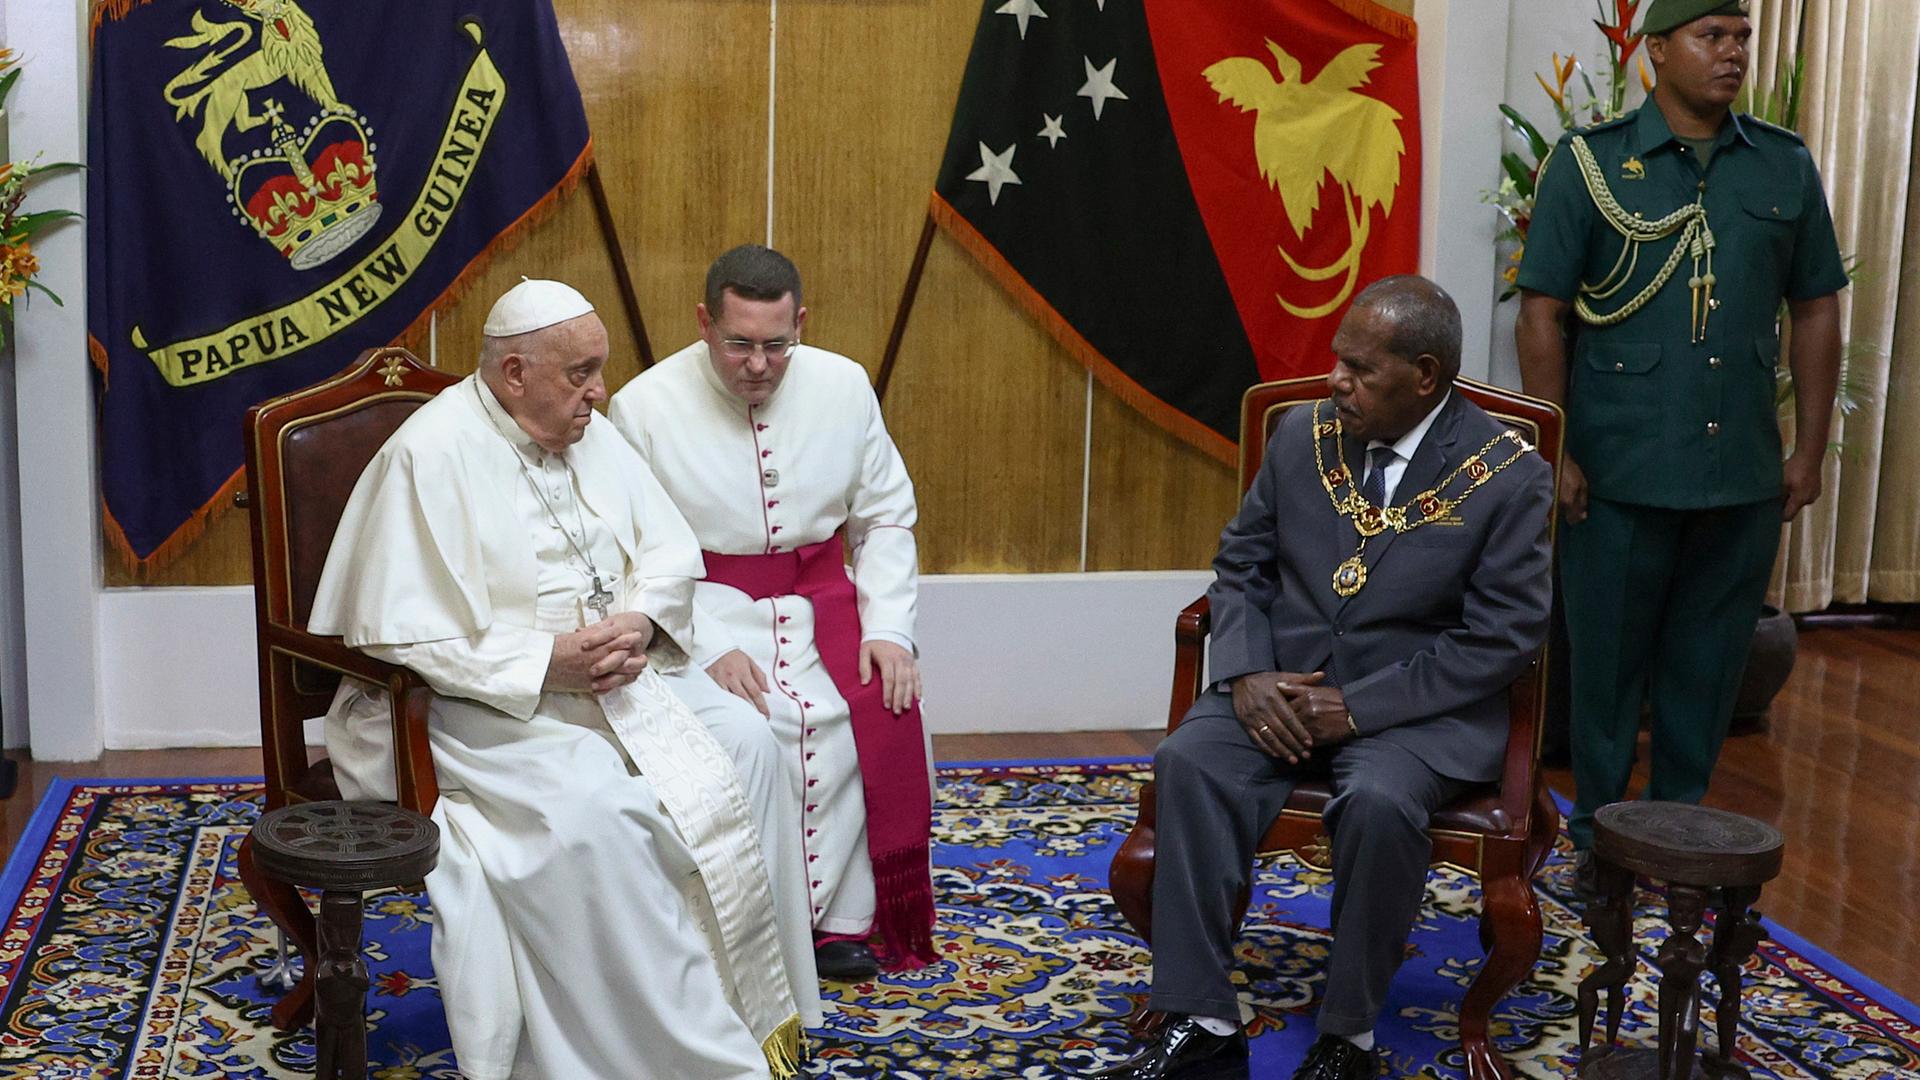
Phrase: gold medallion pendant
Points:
(1350, 576)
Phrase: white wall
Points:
(59, 539)
(1460, 139)
(113, 667)
(1004, 652)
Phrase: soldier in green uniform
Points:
(1671, 236)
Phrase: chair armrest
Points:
(414, 781)
(1520, 772)
(410, 696)
(328, 652)
(1190, 630)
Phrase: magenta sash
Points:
(892, 750)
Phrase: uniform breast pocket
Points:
(1615, 393)
(1769, 220)
(1627, 359)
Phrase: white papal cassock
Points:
(814, 460)
(619, 893)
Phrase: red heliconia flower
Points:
(1620, 32)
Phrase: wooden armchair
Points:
(305, 451)
(1503, 832)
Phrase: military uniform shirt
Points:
(1653, 418)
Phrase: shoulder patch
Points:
(1762, 125)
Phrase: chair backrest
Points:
(1539, 422)
(305, 452)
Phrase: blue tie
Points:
(1374, 487)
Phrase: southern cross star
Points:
(995, 170)
(1052, 132)
(1099, 85)
(1021, 10)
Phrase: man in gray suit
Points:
(1384, 582)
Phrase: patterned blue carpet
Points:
(130, 950)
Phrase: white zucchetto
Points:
(534, 305)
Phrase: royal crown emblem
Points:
(310, 190)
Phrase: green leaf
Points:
(1526, 130)
(26, 225)
(1520, 172)
(1790, 93)
(7, 81)
(32, 284)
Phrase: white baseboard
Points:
(1001, 652)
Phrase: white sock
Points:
(1216, 1026)
(1364, 1040)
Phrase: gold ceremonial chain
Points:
(1696, 239)
(1369, 520)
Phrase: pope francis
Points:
(619, 892)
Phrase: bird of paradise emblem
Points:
(1308, 129)
(310, 190)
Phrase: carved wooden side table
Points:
(343, 849)
(1708, 859)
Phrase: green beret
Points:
(1665, 16)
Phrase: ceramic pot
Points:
(1769, 663)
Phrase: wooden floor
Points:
(1839, 775)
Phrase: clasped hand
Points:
(1288, 714)
(602, 657)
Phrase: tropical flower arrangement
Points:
(1514, 197)
(18, 263)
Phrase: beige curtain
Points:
(1861, 541)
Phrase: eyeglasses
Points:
(742, 349)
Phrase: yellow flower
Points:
(17, 265)
(1511, 274)
(1562, 72)
(1646, 80)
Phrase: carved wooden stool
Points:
(343, 849)
(1707, 858)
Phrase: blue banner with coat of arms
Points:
(275, 186)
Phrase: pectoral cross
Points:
(600, 600)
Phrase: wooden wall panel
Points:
(1154, 502)
(989, 415)
(988, 412)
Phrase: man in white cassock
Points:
(620, 891)
(778, 457)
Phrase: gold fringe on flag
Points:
(1378, 16)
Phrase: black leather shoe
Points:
(845, 960)
(1183, 1051)
(1334, 1058)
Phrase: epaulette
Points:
(1749, 118)
(1605, 125)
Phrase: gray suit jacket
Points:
(1450, 615)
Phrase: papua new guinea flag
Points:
(275, 186)
(1188, 192)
